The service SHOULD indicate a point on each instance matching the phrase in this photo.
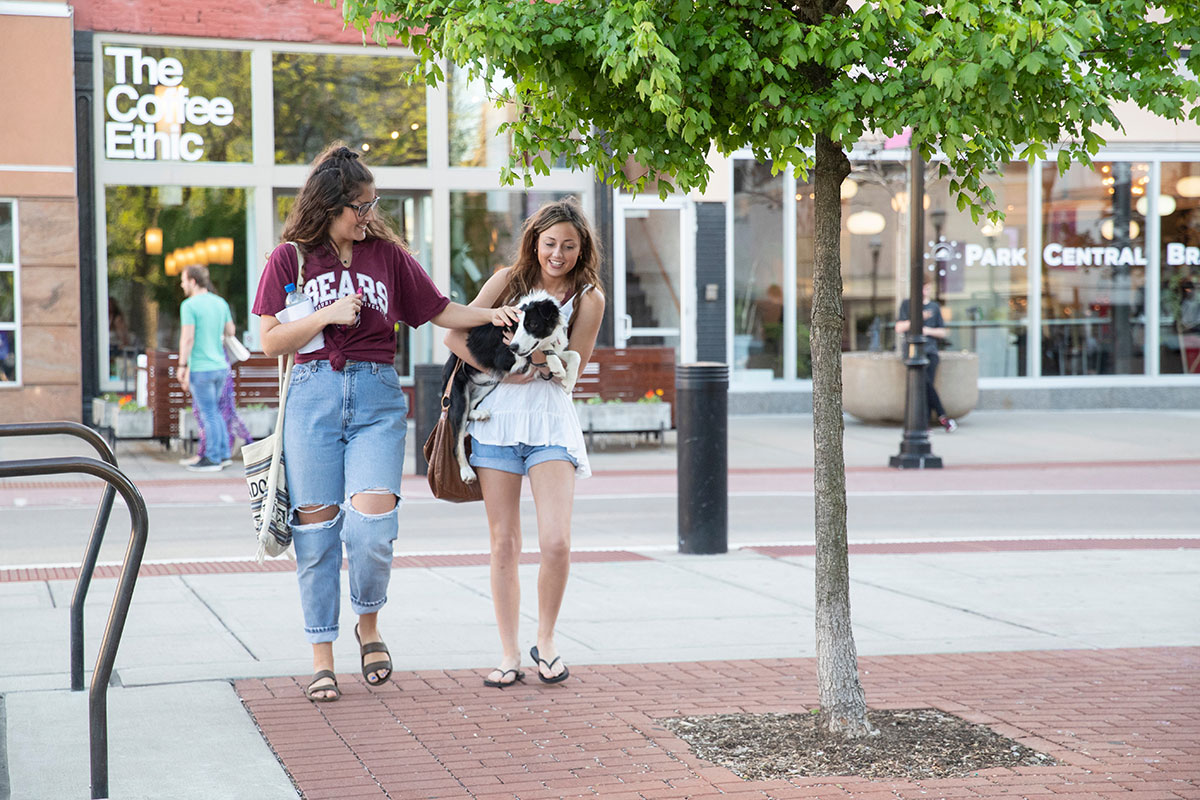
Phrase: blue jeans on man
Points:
(206, 397)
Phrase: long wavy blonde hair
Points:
(337, 176)
(526, 271)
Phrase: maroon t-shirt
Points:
(394, 289)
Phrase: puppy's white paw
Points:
(466, 473)
(480, 415)
(572, 371)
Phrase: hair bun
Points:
(344, 153)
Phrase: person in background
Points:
(344, 424)
(935, 331)
(533, 430)
(235, 424)
(202, 368)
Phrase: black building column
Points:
(710, 282)
(85, 185)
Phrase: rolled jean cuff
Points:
(367, 608)
(321, 635)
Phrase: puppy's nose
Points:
(513, 348)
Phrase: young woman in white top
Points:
(533, 430)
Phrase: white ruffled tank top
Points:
(534, 413)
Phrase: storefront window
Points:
(409, 214)
(757, 270)
(485, 230)
(474, 119)
(980, 272)
(9, 298)
(365, 101)
(176, 104)
(1093, 265)
(153, 232)
(874, 215)
(1179, 209)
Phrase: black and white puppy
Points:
(542, 328)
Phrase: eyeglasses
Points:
(363, 209)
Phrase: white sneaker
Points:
(189, 461)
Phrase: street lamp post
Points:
(876, 245)
(915, 450)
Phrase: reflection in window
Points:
(205, 117)
(652, 272)
(757, 269)
(981, 272)
(8, 296)
(143, 281)
(1093, 269)
(365, 101)
(474, 118)
(410, 214)
(485, 230)
(1179, 209)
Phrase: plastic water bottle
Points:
(297, 305)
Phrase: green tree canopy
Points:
(659, 81)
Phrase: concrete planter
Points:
(259, 421)
(624, 417)
(131, 424)
(873, 384)
(99, 412)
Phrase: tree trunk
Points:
(843, 704)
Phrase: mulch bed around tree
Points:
(912, 744)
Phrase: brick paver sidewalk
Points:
(1121, 723)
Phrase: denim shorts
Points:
(516, 458)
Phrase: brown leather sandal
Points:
(368, 670)
(311, 690)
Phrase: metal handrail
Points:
(99, 525)
(97, 697)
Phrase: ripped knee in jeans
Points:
(316, 513)
(374, 502)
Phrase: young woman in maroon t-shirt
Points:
(344, 426)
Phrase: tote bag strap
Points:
(285, 378)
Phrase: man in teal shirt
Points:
(202, 369)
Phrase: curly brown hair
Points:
(337, 176)
(526, 271)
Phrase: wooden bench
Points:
(627, 374)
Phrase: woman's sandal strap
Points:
(310, 691)
(373, 647)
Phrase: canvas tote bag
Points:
(265, 476)
(445, 481)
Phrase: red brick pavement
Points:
(1121, 724)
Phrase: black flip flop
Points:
(500, 684)
(533, 653)
(310, 691)
(375, 666)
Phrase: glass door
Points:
(653, 270)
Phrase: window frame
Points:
(15, 268)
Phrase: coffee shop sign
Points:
(1058, 255)
(147, 107)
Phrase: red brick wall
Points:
(273, 20)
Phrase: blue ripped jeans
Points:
(343, 434)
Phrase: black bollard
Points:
(702, 451)
(427, 388)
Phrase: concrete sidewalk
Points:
(1046, 620)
